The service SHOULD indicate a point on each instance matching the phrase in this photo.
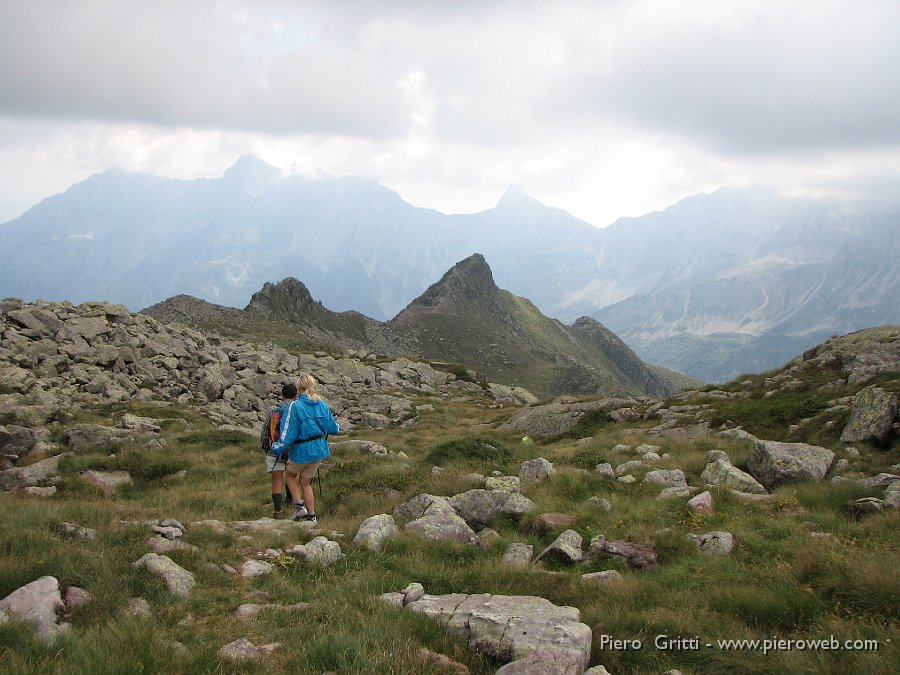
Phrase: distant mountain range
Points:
(463, 318)
(718, 284)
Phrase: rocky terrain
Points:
(542, 532)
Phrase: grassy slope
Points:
(779, 581)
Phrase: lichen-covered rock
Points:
(702, 503)
(637, 556)
(713, 543)
(871, 416)
(481, 508)
(604, 577)
(565, 548)
(242, 650)
(508, 628)
(443, 527)
(518, 555)
(177, 579)
(421, 505)
(670, 478)
(534, 470)
(508, 483)
(256, 568)
(375, 532)
(721, 473)
(558, 417)
(322, 551)
(775, 463)
(37, 604)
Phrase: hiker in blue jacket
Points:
(309, 421)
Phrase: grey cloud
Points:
(185, 64)
(813, 80)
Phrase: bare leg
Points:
(293, 488)
(308, 496)
(277, 477)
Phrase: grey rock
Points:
(628, 467)
(361, 446)
(37, 604)
(871, 416)
(137, 607)
(31, 475)
(775, 463)
(565, 548)
(892, 495)
(391, 599)
(670, 492)
(481, 508)
(76, 597)
(534, 470)
(518, 555)
(545, 660)
(255, 568)
(43, 492)
(702, 503)
(868, 505)
(603, 577)
(602, 502)
(509, 628)
(627, 479)
(636, 556)
(721, 473)
(508, 483)
(443, 526)
(605, 469)
(713, 455)
(107, 481)
(163, 545)
(322, 551)
(878, 482)
(555, 418)
(242, 650)
(421, 505)
(177, 579)
(716, 543)
(670, 478)
(415, 591)
(375, 532)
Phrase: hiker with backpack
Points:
(304, 439)
(271, 432)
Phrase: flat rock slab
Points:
(510, 627)
(177, 579)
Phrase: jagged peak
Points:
(289, 296)
(250, 167)
(470, 278)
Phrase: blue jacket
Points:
(308, 422)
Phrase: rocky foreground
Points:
(57, 360)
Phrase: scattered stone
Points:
(42, 492)
(177, 579)
(518, 555)
(76, 597)
(391, 599)
(360, 446)
(867, 505)
(489, 536)
(415, 591)
(702, 503)
(651, 457)
(545, 660)
(443, 526)
(256, 568)
(721, 473)
(627, 479)
(670, 478)
(636, 556)
(375, 532)
(321, 551)
(627, 467)
(605, 469)
(601, 502)
(242, 650)
(535, 470)
(481, 508)
(878, 482)
(138, 607)
(108, 481)
(565, 548)
(713, 543)
(670, 492)
(37, 604)
(604, 577)
(421, 505)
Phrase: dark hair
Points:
(289, 391)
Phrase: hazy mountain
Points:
(737, 280)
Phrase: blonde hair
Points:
(307, 384)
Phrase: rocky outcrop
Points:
(775, 463)
(37, 604)
(721, 473)
(558, 417)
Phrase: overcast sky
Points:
(604, 108)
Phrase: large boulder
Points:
(443, 527)
(721, 473)
(480, 508)
(31, 475)
(375, 532)
(565, 548)
(670, 478)
(508, 627)
(871, 416)
(37, 604)
(775, 463)
(558, 417)
(421, 505)
(534, 470)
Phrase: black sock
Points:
(276, 500)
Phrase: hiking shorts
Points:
(307, 470)
(274, 463)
